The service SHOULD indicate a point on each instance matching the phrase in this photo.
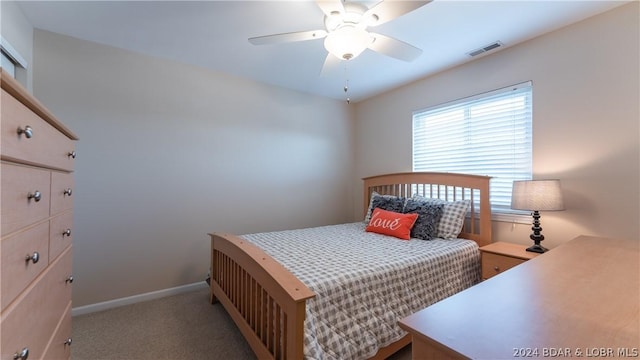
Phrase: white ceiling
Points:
(213, 34)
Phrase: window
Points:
(10, 59)
(8, 65)
(486, 134)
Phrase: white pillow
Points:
(453, 215)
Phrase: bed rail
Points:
(263, 298)
(445, 186)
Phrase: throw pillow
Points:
(385, 202)
(426, 226)
(453, 215)
(391, 223)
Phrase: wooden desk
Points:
(582, 299)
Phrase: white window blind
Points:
(487, 134)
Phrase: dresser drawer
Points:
(61, 191)
(493, 264)
(21, 186)
(60, 234)
(31, 322)
(17, 272)
(46, 146)
(60, 346)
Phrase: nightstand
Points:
(501, 256)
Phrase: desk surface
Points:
(582, 297)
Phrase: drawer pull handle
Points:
(66, 232)
(68, 341)
(35, 257)
(27, 131)
(36, 195)
(70, 281)
(67, 192)
(22, 355)
(497, 269)
(72, 154)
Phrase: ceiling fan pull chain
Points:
(346, 82)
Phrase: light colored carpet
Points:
(184, 326)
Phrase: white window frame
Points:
(8, 65)
(11, 58)
(444, 138)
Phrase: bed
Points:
(305, 305)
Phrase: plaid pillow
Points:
(384, 202)
(453, 214)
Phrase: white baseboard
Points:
(87, 309)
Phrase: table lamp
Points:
(535, 196)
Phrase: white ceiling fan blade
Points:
(330, 63)
(288, 37)
(329, 7)
(395, 48)
(388, 10)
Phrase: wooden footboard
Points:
(265, 300)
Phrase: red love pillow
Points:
(391, 223)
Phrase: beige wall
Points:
(585, 122)
(169, 152)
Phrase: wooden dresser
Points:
(36, 172)
(580, 299)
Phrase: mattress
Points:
(366, 282)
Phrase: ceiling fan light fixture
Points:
(347, 42)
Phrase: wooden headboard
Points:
(445, 186)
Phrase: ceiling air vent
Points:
(486, 48)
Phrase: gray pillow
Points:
(426, 226)
(453, 215)
(384, 202)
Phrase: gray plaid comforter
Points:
(366, 282)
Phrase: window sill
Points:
(514, 218)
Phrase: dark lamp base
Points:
(537, 236)
(537, 248)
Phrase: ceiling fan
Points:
(346, 33)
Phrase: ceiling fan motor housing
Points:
(347, 35)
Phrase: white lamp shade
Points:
(347, 42)
(536, 195)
